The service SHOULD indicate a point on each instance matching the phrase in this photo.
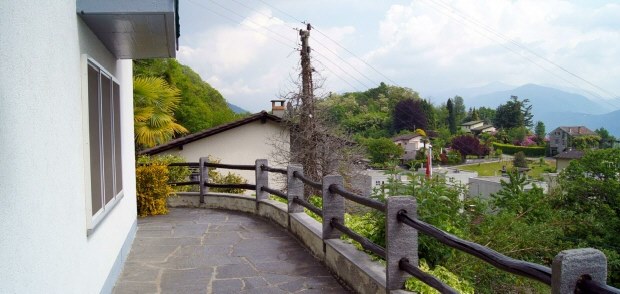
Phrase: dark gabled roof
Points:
(471, 123)
(570, 154)
(263, 116)
(577, 131)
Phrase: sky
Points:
(248, 49)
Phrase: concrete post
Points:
(295, 188)
(569, 265)
(262, 180)
(401, 240)
(333, 207)
(204, 178)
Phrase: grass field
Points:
(494, 168)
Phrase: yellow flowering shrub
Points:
(152, 189)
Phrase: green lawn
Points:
(494, 168)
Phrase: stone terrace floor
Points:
(218, 251)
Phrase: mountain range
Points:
(552, 106)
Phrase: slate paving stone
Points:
(135, 288)
(235, 271)
(217, 251)
(227, 286)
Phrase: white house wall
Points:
(44, 246)
(240, 145)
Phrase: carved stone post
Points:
(262, 180)
(569, 265)
(333, 206)
(295, 188)
(204, 178)
(401, 240)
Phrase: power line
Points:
(335, 74)
(341, 69)
(244, 23)
(345, 61)
(470, 20)
(334, 41)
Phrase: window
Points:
(104, 141)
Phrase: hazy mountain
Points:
(543, 100)
(556, 107)
(470, 92)
(236, 109)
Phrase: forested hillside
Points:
(201, 105)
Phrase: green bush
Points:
(459, 284)
(519, 160)
(152, 189)
(512, 149)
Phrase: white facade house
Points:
(68, 215)
(258, 136)
(411, 144)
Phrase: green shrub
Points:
(512, 149)
(152, 189)
(448, 277)
(519, 160)
(230, 178)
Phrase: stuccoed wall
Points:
(44, 246)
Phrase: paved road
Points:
(216, 251)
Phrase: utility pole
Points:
(308, 136)
(307, 95)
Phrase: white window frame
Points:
(94, 218)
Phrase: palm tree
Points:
(154, 102)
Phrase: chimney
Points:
(277, 107)
(578, 130)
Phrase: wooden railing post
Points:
(570, 265)
(262, 180)
(295, 188)
(204, 178)
(401, 240)
(333, 207)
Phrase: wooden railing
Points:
(578, 270)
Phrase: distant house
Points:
(468, 126)
(238, 142)
(563, 159)
(411, 143)
(477, 127)
(561, 138)
(483, 129)
(68, 180)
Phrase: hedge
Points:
(537, 151)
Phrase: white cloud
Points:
(427, 45)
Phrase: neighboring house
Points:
(563, 159)
(411, 143)
(477, 127)
(378, 179)
(483, 129)
(258, 136)
(68, 215)
(561, 138)
(468, 126)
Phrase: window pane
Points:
(94, 108)
(118, 171)
(107, 127)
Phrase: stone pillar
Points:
(401, 240)
(295, 188)
(204, 178)
(569, 265)
(262, 180)
(333, 207)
